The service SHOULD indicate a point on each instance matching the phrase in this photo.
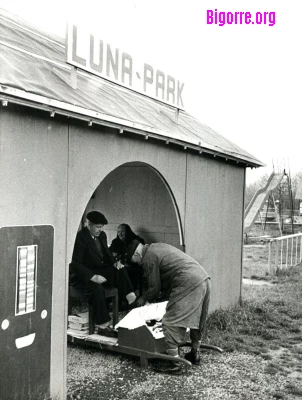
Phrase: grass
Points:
(268, 322)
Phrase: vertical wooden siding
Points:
(33, 191)
(213, 224)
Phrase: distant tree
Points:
(252, 188)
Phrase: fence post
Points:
(286, 253)
(296, 251)
(276, 256)
(270, 256)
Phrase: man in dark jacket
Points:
(167, 269)
(93, 268)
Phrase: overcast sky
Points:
(244, 80)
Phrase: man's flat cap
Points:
(97, 218)
(131, 249)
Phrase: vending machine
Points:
(26, 268)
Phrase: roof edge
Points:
(17, 96)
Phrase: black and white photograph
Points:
(150, 200)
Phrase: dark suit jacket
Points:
(88, 261)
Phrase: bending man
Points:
(168, 269)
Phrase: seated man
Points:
(168, 269)
(93, 267)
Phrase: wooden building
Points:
(71, 142)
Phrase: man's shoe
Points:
(193, 356)
(108, 331)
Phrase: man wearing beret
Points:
(167, 269)
(93, 267)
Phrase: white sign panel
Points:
(94, 55)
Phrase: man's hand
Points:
(141, 302)
(118, 265)
(98, 279)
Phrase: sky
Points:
(242, 80)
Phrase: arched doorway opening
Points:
(137, 194)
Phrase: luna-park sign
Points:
(94, 55)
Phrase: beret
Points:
(97, 218)
(131, 249)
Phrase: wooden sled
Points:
(137, 342)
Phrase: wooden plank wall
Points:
(33, 191)
(213, 224)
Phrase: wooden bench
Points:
(75, 293)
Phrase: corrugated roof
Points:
(33, 69)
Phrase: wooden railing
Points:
(284, 252)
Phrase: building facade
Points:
(67, 149)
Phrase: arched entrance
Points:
(136, 194)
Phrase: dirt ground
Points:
(220, 376)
